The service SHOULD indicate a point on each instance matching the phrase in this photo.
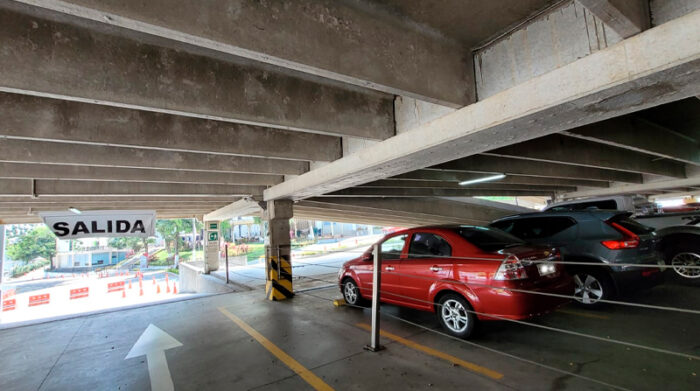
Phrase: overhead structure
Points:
(386, 112)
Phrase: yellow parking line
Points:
(293, 364)
(584, 314)
(436, 353)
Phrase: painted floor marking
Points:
(293, 364)
(436, 353)
(584, 314)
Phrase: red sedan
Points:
(463, 273)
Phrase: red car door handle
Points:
(389, 268)
(435, 268)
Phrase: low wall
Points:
(193, 280)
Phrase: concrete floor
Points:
(88, 353)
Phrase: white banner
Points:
(101, 223)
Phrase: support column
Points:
(211, 247)
(278, 251)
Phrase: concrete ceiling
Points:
(349, 107)
(470, 22)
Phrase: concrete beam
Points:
(558, 148)
(402, 212)
(433, 176)
(496, 185)
(657, 66)
(33, 118)
(330, 39)
(98, 200)
(159, 215)
(26, 151)
(625, 17)
(167, 211)
(490, 165)
(430, 192)
(57, 171)
(631, 189)
(472, 209)
(244, 207)
(637, 134)
(9, 187)
(112, 205)
(54, 59)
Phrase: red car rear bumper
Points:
(526, 301)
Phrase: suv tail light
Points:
(510, 269)
(629, 239)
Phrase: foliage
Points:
(226, 230)
(174, 270)
(39, 242)
(132, 243)
(171, 229)
(24, 269)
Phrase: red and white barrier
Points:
(115, 286)
(39, 299)
(79, 293)
(9, 305)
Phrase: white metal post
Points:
(376, 284)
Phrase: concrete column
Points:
(2, 252)
(211, 247)
(278, 251)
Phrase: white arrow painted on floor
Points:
(153, 343)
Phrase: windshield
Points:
(488, 239)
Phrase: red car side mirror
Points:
(367, 257)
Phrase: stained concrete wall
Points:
(545, 43)
(663, 11)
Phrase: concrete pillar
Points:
(211, 247)
(278, 251)
(2, 252)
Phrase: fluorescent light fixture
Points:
(75, 210)
(484, 179)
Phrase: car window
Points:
(488, 239)
(535, 228)
(428, 245)
(632, 225)
(604, 204)
(392, 247)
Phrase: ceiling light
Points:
(75, 210)
(484, 179)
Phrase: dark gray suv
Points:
(594, 236)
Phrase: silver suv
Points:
(607, 243)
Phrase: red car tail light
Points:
(629, 240)
(510, 269)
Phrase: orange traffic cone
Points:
(123, 294)
(154, 280)
(167, 287)
(129, 284)
(174, 289)
(158, 290)
(141, 291)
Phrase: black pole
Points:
(226, 251)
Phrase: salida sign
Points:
(101, 223)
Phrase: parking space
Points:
(242, 341)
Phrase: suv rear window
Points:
(605, 205)
(535, 227)
(488, 239)
(630, 224)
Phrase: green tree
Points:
(39, 242)
(135, 244)
(170, 230)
